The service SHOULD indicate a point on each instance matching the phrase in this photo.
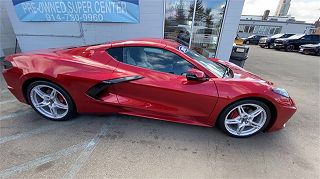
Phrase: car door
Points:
(315, 39)
(161, 90)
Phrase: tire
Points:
(271, 45)
(252, 125)
(248, 42)
(306, 52)
(56, 104)
(289, 48)
(262, 46)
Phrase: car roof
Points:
(152, 42)
(145, 41)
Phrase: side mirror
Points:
(195, 75)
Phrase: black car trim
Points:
(6, 64)
(98, 88)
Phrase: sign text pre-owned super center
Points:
(78, 10)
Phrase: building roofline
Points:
(282, 22)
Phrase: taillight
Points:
(6, 64)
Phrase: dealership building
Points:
(208, 26)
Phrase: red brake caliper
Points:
(234, 114)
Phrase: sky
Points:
(303, 10)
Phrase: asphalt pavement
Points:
(119, 146)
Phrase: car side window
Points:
(307, 37)
(316, 38)
(156, 59)
(116, 53)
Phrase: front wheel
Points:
(50, 101)
(289, 48)
(245, 118)
(271, 45)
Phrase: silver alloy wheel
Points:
(245, 119)
(49, 101)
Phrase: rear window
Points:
(116, 53)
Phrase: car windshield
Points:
(297, 36)
(277, 36)
(216, 68)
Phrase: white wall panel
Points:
(229, 28)
(41, 35)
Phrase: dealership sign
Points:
(77, 10)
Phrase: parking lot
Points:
(131, 147)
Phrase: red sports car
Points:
(152, 78)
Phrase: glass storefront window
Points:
(259, 29)
(195, 24)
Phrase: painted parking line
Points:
(34, 132)
(42, 160)
(86, 153)
(87, 147)
(8, 101)
(16, 114)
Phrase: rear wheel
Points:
(248, 42)
(50, 101)
(290, 48)
(262, 46)
(245, 118)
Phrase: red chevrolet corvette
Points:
(153, 78)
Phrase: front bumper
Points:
(302, 50)
(263, 43)
(284, 113)
(279, 46)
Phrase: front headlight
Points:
(281, 92)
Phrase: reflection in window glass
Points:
(207, 23)
(178, 20)
(278, 30)
(251, 29)
(156, 59)
(246, 29)
(259, 29)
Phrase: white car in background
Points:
(206, 37)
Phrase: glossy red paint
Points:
(157, 95)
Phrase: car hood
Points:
(282, 39)
(240, 73)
